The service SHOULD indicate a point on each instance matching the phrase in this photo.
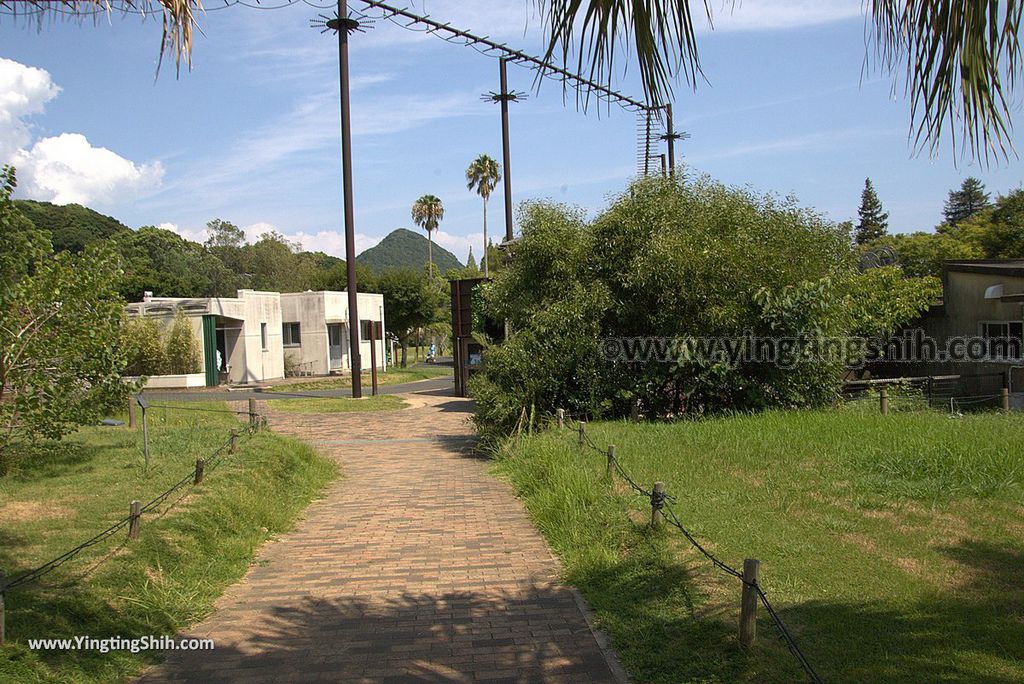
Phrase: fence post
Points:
(561, 418)
(883, 401)
(200, 467)
(657, 503)
(583, 431)
(3, 582)
(136, 516)
(233, 449)
(1004, 395)
(131, 412)
(634, 411)
(145, 437)
(748, 603)
(252, 412)
(611, 459)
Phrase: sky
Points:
(250, 134)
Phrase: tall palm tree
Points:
(959, 59)
(483, 175)
(427, 213)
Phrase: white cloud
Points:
(67, 169)
(327, 241)
(768, 15)
(24, 91)
(193, 234)
(64, 168)
(459, 244)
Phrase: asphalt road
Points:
(431, 385)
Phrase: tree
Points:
(654, 264)
(427, 213)
(471, 261)
(168, 265)
(411, 303)
(277, 265)
(873, 221)
(483, 175)
(144, 348)
(963, 203)
(60, 318)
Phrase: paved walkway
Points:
(416, 566)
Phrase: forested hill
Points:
(403, 248)
(71, 226)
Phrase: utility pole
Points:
(343, 26)
(506, 154)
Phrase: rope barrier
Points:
(48, 567)
(660, 501)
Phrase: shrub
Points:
(673, 258)
(143, 346)
(182, 349)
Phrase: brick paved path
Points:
(416, 566)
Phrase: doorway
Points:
(334, 345)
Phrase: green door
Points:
(210, 351)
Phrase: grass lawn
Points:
(893, 547)
(394, 376)
(381, 402)
(62, 494)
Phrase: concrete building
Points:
(982, 308)
(316, 336)
(239, 337)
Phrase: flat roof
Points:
(1005, 267)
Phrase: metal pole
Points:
(671, 135)
(145, 437)
(350, 230)
(373, 361)
(505, 153)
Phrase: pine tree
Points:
(470, 261)
(873, 222)
(965, 202)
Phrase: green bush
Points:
(676, 258)
(182, 349)
(143, 346)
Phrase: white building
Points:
(316, 336)
(244, 339)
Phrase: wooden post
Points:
(200, 467)
(131, 413)
(634, 411)
(883, 401)
(561, 418)
(611, 459)
(145, 437)
(583, 431)
(3, 581)
(252, 412)
(1004, 395)
(748, 603)
(657, 501)
(233, 449)
(136, 516)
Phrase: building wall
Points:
(313, 311)
(262, 308)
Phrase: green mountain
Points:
(71, 226)
(405, 249)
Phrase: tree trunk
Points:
(485, 237)
(430, 256)
(405, 357)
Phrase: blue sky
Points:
(250, 135)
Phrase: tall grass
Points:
(887, 542)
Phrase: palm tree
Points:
(483, 175)
(427, 213)
(960, 60)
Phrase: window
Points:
(263, 336)
(365, 330)
(290, 334)
(1003, 338)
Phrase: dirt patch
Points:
(25, 511)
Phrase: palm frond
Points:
(960, 61)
